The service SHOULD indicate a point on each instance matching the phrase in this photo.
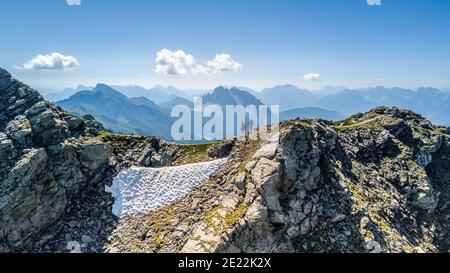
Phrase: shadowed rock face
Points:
(46, 158)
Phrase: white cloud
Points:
(223, 63)
(52, 61)
(181, 63)
(174, 62)
(311, 77)
(374, 2)
(73, 2)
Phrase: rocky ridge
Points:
(46, 158)
(377, 182)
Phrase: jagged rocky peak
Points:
(46, 157)
(15, 97)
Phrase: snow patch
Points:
(140, 190)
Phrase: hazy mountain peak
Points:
(107, 90)
(287, 96)
(221, 87)
(282, 87)
(288, 85)
(81, 87)
(234, 96)
(101, 86)
(176, 101)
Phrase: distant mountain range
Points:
(158, 94)
(66, 93)
(432, 103)
(139, 115)
(147, 111)
(288, 97)
(348, 102)
(167, 106)
(311, 113)
(234, 96)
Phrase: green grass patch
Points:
(121, 142)
(108, 136)
(193, 153)
(353, 123)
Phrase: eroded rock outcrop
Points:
(47, 157)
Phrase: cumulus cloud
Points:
(52, 61)
(223, 63)
(311, 77)
(181, 63)
(174, 62)
(73, 2)
(374, 2)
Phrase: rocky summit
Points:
(47, 157)
(375, 182)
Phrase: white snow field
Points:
(141, 190)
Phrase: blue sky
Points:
(336, 42)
